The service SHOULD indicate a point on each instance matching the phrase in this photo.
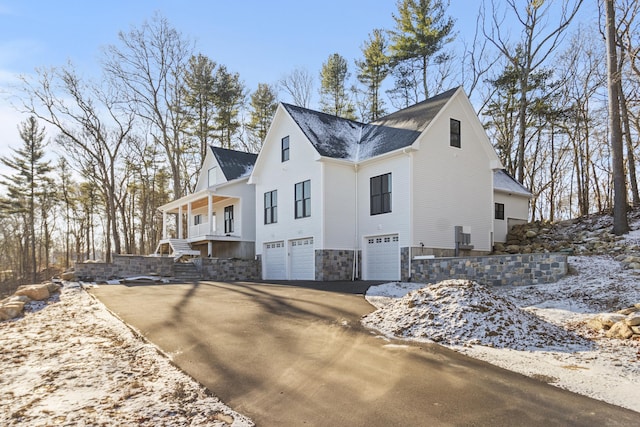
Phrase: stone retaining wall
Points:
(496, 270)
(138, 265)
(124, 266)
(231, 269)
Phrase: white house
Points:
(220, 213)
(511, 201)
(338, 199)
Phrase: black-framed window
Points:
(197, 219)
(228, 219)
(380, 194)
(303, 199)
(271, 207)
(454, 132)
(285, 149)
(499, 211)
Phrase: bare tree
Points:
(149, 66)
(531, 51)
(93, 131)
(299, 85)
(620, 222)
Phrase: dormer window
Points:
(285, 149)
(454, 132)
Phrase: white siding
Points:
(273, 174)
(203, 179)
(339, 221)
(515, 208)
(453, 186)
(398, 220)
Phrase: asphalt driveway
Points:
(293, 355)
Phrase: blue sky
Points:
(261, 40)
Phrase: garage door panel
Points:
(275, 261)
(302, 259)
(383, 257)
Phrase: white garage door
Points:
(274, 261)
(303, 260)
(383, 258)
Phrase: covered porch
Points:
(200, 221)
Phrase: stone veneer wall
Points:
(123, 266)
(497, 270)
(138, 265)
(334, 264)
(231, 269)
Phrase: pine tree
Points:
(422, 30)
(372, 71)
(26, 186)
(263, 107)
(228, 99)
(199, 87)
(334, 98)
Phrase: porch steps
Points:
(179, 248)
(186, 272)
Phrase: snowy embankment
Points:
(88, 368)
(539, 331)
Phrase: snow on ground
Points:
(537, 330)
(69, 361)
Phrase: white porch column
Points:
(210, 214)
(189, 220)
(164, 225)
(210, 248)
(180, 222)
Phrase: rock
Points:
(53, 287)
(595, 324)
(620, 330)
(627, 311)
(512, 249)
(69, 276)
(633, 319)
(635, 329)
(609, 319)
(530, 234)
(11, 309)
(35, 292)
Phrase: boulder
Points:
(530, 234)
(69, 276)
(53, 287)
(633, 319)
(620, 330)
(609, 319)
(35, 292)
(11, 309)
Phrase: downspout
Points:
(411, 197)
(355, 250)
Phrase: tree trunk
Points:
(620, 222)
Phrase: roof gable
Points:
(340, 138)
(234, 164)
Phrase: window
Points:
(455, 133)
(212, 177)
(271, 207)
(285, 148)
(380, 194)
(499, 210)
(228, 219)
(303, 199)
(197, 219)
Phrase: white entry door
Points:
(274, 262)
(302, 260)
(382, 258)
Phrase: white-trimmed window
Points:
(212, 177)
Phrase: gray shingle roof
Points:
(234, 164)
(351, 140)
(504, 182)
